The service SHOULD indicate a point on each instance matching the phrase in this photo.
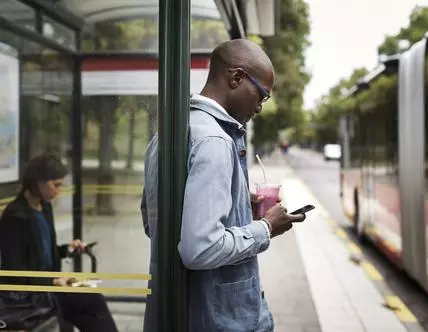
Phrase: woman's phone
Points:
(304, 209)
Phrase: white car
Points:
(332, 152)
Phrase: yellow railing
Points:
(77, 275)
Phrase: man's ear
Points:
(235, 78)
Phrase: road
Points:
(323, 179)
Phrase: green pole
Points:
(174, 92)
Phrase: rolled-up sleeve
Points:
(205, 242)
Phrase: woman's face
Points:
(50, 189)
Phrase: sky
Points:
(345, 35)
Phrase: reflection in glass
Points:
(45, 111)
(19, 13)
(116, 131)
(59, 32)
(142, 35)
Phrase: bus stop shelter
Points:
(64, 48)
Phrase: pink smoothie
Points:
(270, 191)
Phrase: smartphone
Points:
(304, 209)
(90, 245)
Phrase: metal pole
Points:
(174, 91)
(76, 127)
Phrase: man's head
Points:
(240, 78)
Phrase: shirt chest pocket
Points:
(237, 306)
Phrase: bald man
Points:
(220, 239)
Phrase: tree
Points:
(389, 46)
(418, 25)
(207, 34)
(142, 35)
(286, 50)
(330, 106)
(407, 36)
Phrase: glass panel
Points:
(46, 85)
(380, 129)
(59, 32)
(139, 34)
(116, 132)
(44, 112)
(206, 34)
(142, 35)
(19, 13)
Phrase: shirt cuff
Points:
(266, 227)
(260, 232)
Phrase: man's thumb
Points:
(297, 217)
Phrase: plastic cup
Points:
(270, 192)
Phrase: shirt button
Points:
(242, 153)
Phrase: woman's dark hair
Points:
(42, 168)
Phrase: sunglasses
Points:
(265, 95)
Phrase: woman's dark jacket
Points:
(21, 247)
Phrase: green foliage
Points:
(264, 128)
(142, 35)
(139, 106)
(389, 46)
(286, 50)
(207, 34)
(382, 93)
(325, 119)
(407, 36)
(381, 97)
(418, 25)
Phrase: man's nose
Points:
(259, 108)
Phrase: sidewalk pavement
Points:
(309, 280)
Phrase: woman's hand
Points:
(64, 282)
(76, 245)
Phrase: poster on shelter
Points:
(9, 114)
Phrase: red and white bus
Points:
(384, 175)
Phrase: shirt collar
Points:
(217, 106)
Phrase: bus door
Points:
(366, 197)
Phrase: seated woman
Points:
(28, 243)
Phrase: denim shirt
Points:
(219, 240)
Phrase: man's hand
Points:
(280, 220)
(255, 201)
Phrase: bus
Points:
(383, 172)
